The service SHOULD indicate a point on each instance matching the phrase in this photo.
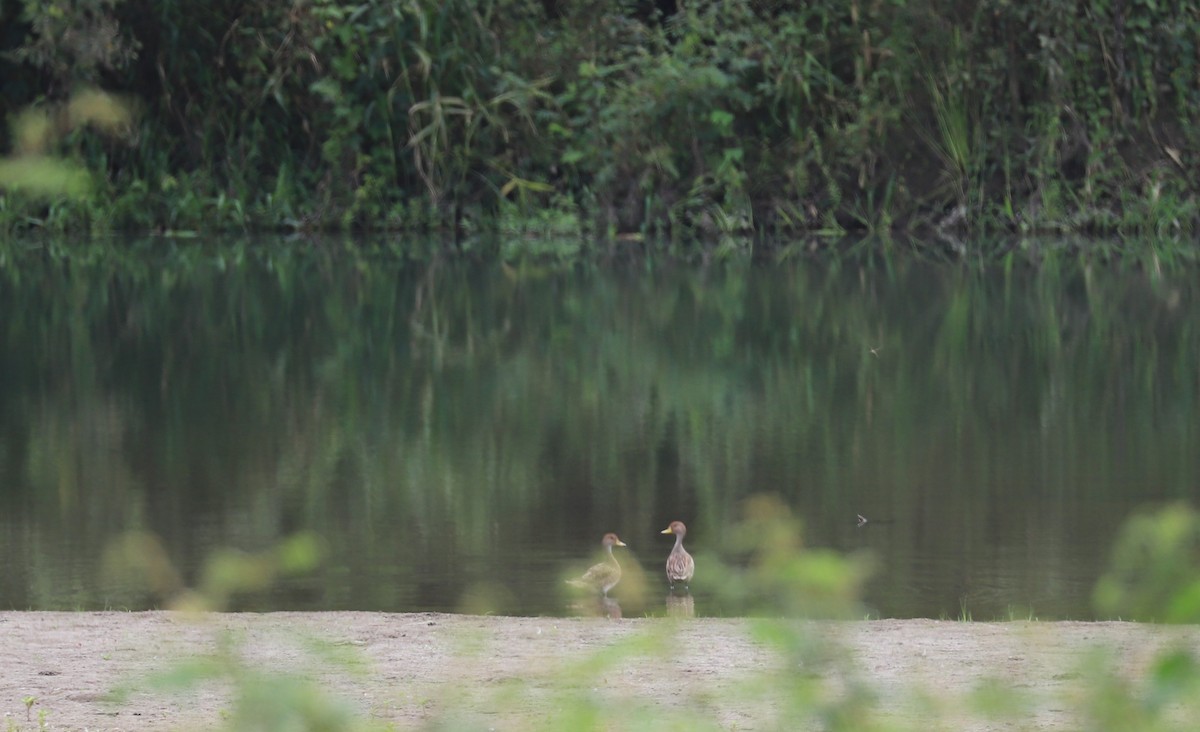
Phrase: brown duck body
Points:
(680, 565)
(605, 575)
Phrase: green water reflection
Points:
(457, 431)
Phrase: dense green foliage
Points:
(599, 117)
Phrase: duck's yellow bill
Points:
(667, 531)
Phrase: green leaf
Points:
(45, 176)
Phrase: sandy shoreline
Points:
(406, 671)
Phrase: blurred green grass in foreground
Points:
(782, 588)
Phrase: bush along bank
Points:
(669, 121)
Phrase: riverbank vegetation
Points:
(619, 119)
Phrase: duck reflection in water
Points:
(680, 606)
(597, 607)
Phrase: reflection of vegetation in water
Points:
(427, 422)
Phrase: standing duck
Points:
(605, 575)
(680, 565)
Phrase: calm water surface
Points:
(460, 436)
